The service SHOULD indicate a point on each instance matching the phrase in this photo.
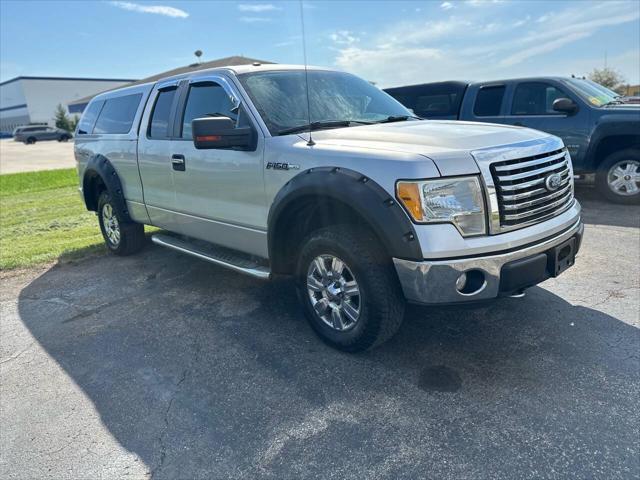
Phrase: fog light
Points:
(471, 282)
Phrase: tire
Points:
(379, 302)
(611, 170)
(122, 238)
(30, 141)
(64, 138)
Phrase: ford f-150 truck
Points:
(319, 175)
(600, 130)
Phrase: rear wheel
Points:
(618, 177)
(30, 141)
(349, 289)
(122, 238)
(64, 138)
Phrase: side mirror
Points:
(565, 105)
(220, 132)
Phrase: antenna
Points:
(310, 143)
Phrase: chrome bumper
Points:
(433, 282)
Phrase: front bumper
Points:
(434, 282)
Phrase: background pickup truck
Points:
(601, 132)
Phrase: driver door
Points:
(219, 193)
(532, 107)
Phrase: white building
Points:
(33, 100)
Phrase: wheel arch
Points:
(325, 196)
(610, 137)
(100, 175)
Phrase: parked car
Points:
(361, 203)
(36, 133)
(601, 130)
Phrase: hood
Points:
(623, 107)
(447, 143)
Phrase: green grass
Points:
(42, 218)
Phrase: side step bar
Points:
(213, 254)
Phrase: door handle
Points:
(177, 161)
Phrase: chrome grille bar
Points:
(530, 203)
(529, 213)
(531, 183)
(531, 173)
(507, 168)
(523, 195)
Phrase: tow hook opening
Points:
(471, 282)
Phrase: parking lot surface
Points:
(17, 157)
(162, 366)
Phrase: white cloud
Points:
(155, 9)
(254, 19)
(446, 5)
(387, 65)
(482, 3)
(257, 7)
(550, 46)
(344, 37)
(494, 46)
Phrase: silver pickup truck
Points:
(319, 175)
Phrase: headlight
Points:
(454, 200)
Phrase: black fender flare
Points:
(609, 126)
(100, 167)
(366, 198)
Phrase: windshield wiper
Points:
(398, 118)
(613, 102)
(320, 125)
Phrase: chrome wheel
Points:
(624, 177)
(334, 292)
(111, 225)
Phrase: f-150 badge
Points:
(282, 166)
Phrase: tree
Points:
(608, 77)
(62, 119)
(73, 123)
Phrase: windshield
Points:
(595, 94)
(281, 99)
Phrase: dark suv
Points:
(600, 130)
(36, 133)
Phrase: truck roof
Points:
(235, 69)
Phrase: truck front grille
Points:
(523, 190)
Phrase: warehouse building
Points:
(33, 100)
(77, 106)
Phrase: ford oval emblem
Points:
(553, 181)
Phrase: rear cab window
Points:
(431, 101)
(489, 101)
(117, 114)
(89, 116)
(160, 125)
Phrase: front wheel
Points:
(349, 289)
(618, 177)
(122, 238)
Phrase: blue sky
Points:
(391, 43)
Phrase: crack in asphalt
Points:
(19, 354)
(161, 438)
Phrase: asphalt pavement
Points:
(16, 157)
(160, 365)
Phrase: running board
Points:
(217, 255)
